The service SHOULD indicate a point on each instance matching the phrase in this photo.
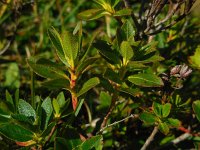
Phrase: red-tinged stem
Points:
(73, 94)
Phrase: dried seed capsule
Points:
(175, 70)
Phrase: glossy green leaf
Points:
(163, 127)
(91, 14)
(16, 132)
(146, 80)
(22, 118)
(93, 142)
(9, 101)
(26, 109)
(47, 111)
(123, 12)
(173, 122)
(105, 100)
(196, 108)
(46, 68)
(70, 46)
(106, 51)
(126, 51)
(166, 108)
(88, 85)
(147, 118)
(57, 42)
(57, 83)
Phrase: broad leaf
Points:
(57, 42)
(196, 108)
(16, 132)
(146, 80)
(173, 122)
(27, 110)
(147, 118)
(134, 92)
(195, 59)
(56, 107)
(88, 85)
(123, 12)
(128, 31)
(61, 99)
(57, 84)
(157, 108)
(113, 76)
(46, 68)
(166, 108)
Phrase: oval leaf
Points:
(146, 80)
(196, 108)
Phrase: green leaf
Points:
(16, 132)
(105, 100)
(60, 144)
(16, 100)
(61, 99)
(173, 122)
(56, 106)
(167, 139)
(46, 68)
(22, 118)
(134, 92)
(47, 111)
(26, 109)
(93, 142)
(195, 59)
(9, 101)
(123, 12)
(113, 76)
(126, 51)
(128, 31)
(88, 85)
(70, 47)
(91, 14)
(57, 42)
(166, 108)
(196, 108)
(147, 118)
(163, 127)
(146, 80)
(154, 58)
(106, 51)
(57, 84)
(157, 108)
(48, 130)
(79, 107)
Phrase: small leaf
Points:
(9, 101)
(195, 59)
(56, 107)
(105, 100)
(146, 80)
(57, 84)
(128, 31)
(173, 122)
(91, 14)
(26, 109)
(157, 108)
(61, 99)
(163, 127)
(46, 68)
(123, 12)
(126, 51)
(57, 42)
(148, 118)
(16, 132)
(88, 85)
(196, 108)
(134, 92)
(166, 108)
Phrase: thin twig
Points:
(117, 122)
(150, 138)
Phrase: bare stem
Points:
(150, 138)
(117, 122)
